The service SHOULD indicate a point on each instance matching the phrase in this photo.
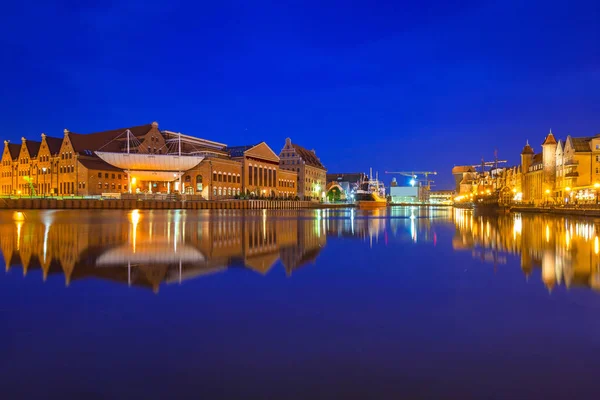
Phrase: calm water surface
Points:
(344, 304)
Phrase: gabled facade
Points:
(312, 174)
(10, 156)
(93, 164)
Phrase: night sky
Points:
(395, 86)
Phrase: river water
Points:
(308, 304)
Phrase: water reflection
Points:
(566, 250)
(148, 248)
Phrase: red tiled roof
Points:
(54, 144)
(549, 139)
(581, 144)
(98, 164)
(33, 147)
(527, 149)
(537, 159)
(107, 140)
(14, 150)
(308, 156)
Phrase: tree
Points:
(334, 194)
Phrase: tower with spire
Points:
(549, 160)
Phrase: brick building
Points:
(312, 175)
(76, 165)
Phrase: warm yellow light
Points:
(596, 245)
(568, 189)
(18, 192)
(133, 180)
(488, 191)
(596, 185)
(514, 190)
(547, 191)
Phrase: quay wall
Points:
(131, 204)
(592, 211)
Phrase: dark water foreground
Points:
(306, 304)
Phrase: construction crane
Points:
(413, 175)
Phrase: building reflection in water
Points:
(148, 248)
(565, 249)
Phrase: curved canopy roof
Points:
(150, 254)
(150, 162)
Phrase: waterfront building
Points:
(563, 171)
(312, 175)
(142, 159)
(441, 196)
(404, 194)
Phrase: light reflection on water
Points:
(397, 303)
(564, 249)
(148, 248)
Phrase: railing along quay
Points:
(158, 204)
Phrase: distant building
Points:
(404, 194)
(441, 196)
(311, 172)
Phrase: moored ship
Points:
(370, 193)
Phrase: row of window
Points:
(288, 184)
(107, 186)
(112, 175)
(259, 176)
(66, 169)
(226, 191)
(24, 161)
(44, 158)
(222, 177)
(66, 156)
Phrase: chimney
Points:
(43, 135)
(66, 131)
(23, 139)
(155, 124)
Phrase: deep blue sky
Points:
(394, 86)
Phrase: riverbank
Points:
(131, 204)
(583, 211)
(588, 210)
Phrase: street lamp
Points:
(547, 194)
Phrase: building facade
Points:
(312, 174)
(139, 160)
(564, 171)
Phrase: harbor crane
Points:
(413, 175)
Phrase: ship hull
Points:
(371, 204)
(370, 200)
